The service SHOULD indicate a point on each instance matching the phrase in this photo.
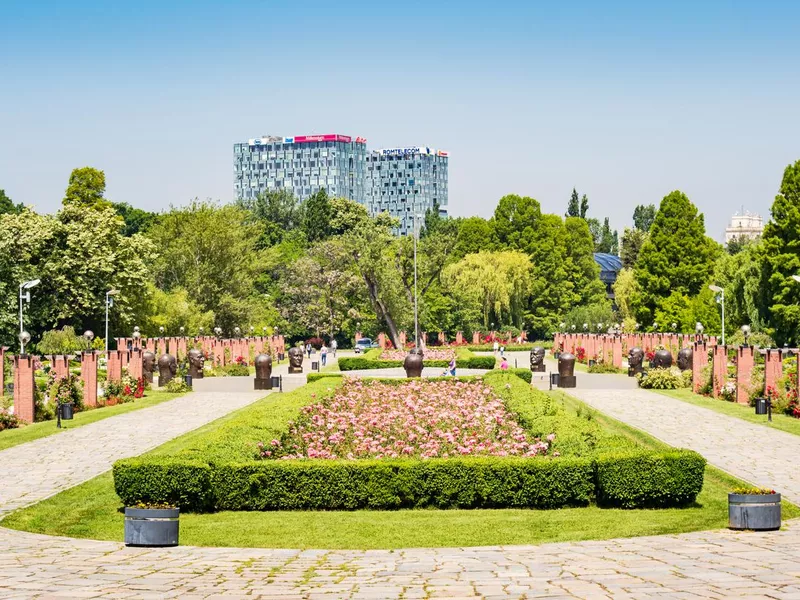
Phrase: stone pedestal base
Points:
(633, 371)
(262, 384)
(293, 370)
(539, 369)
(567, 382)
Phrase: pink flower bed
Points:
(429, 353)
(422, 419)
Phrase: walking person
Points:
(323, 354)
(308, 349)
(495, 346)
(451, 368)
(334, 346)
(504, 364)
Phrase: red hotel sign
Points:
(328, 137)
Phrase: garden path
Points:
(714, 564)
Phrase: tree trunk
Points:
(381, 311)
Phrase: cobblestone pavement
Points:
(698, 565)
(36, 470)
(715, 564)
(758, 454)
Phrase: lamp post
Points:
(745, 333)
(25, 294)
(416, 300)
(88, 335)
(109, 304)
(24, 338)
(699, 331)
(721, 300)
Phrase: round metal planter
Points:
(757, 512)
(67, 411)
(761, 406)
(151, 526)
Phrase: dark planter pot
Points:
(151, 526)
(757, 512)
(592, 362)
(67, 411)
(761, 406)
(187, 379)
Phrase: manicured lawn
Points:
(732, 409)
(34, 431)
(91, 510)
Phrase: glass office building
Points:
(400, 181)
(405, 181)
(302, 164)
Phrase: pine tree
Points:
(677, 256)
(780, 257)
(584, 206)
(317, 218)
(573, 209)
(643, 216)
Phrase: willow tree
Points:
(497, 285)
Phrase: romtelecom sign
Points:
(414, 150)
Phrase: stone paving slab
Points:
(716, 564)
(758, 454)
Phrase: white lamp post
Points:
(25, 295)
(416, 300)
(109, 304)
(721, 292)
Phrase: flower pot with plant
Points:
(151, 525)
(757, 509)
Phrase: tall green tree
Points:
(212, 252)
(631, 245)
(7, 206)
(87, 187)
(608, 240)
(136, 220)
(278, 213)
(474, 234)
(583, 270)
(677, 256)
(780, 259)
(574, 206)
(317, 216)
(584, 206)
(643, 216)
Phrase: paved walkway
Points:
(717, 564)
(761, 455)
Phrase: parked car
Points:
(365, 344)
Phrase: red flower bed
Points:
(422, 419)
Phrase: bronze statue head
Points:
(196, 363)
(635, 357)
(566, 364)
(413, 362)
(263, 365)
(416, 350)
(148, 363)
(167, 367)
(296, 356)
(685, 359)
(537, 356)
(662, 359)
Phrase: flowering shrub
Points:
(241, 360)
(580, 354)
(728, 391)
(316, 342)
(443, 354)
(67, 390)
(8, 420)
(422, 419)
(665, 379)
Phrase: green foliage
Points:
(136, 219)
(525, 374)
(60, 341)
(232, 370)
(745, 291)
(68, 390)
(7, 206)
(591, 315)
(212, 252)
(584, 206)
(604, 367)
(86, 189)
(317, 218)
(176, 385)
(649, 479)
(643, 217)
(277, 213)
(626, 291)
(631, 245)
(464, 360)
(172, 310)
(677, 256)
(780, 259)
(574, 207)
(474, 235)
(665, 379)
(582, 270)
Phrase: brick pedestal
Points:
(699, 361)
(89, 377)
(773, 367)
(182, 349)
(616, 352)
(24, 386)
(60, 364)
(2, 369)
(745, 359)
(476, 338)
(219, 354)
(382, 340)
(114, 365)
(135, 363)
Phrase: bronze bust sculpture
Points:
(167, 367)
(537, 359)
(196, 363)
(148, 365)
(685, 359)
(662, 359)
(413, 362)
(635, 358)
(295, 360)
(263, 381)
(566, 370)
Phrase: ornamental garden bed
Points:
(490, 442)
(373, 359)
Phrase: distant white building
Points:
(749, 226)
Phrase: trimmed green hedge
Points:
(649, 479)
(464, 360)
(312, 377)
(218, 469)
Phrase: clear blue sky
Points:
(624, 100)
